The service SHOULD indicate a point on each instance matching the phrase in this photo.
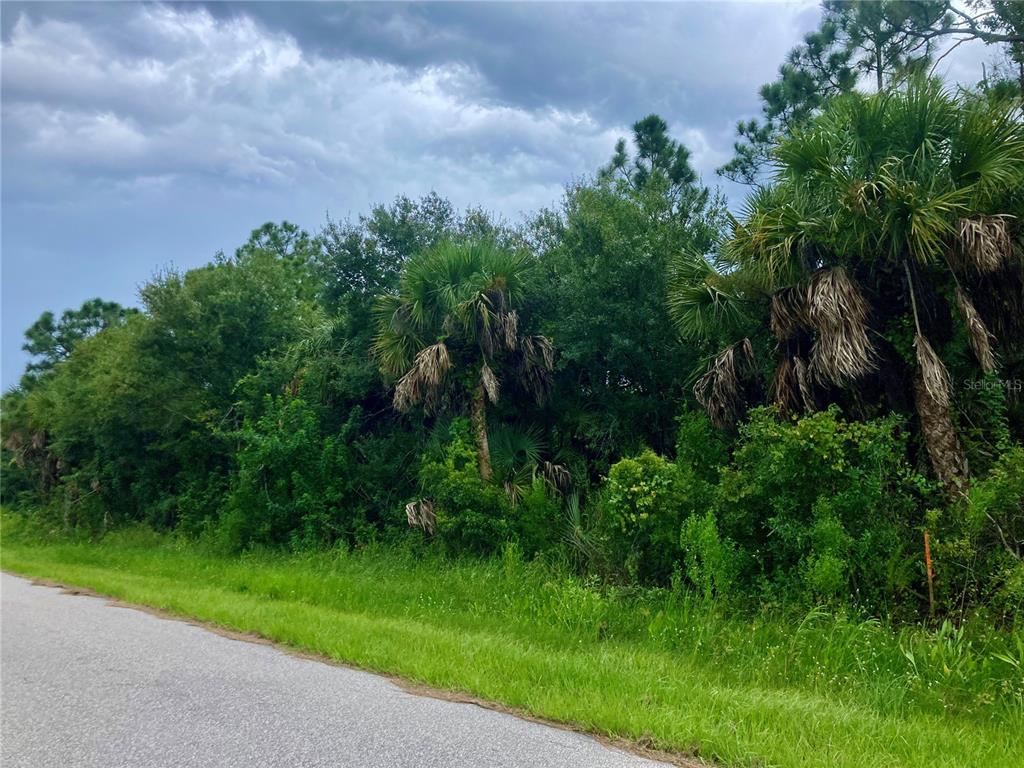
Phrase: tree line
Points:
(776, 405)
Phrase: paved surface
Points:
(85, 683)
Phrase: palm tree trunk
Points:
(944, 447)
(479, 418)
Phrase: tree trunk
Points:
(483, 449)
(944, 447)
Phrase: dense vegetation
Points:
(488, 383)
(561, 382)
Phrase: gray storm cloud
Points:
(140, 135)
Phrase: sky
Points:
(141, 136)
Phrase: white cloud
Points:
(238, 104)
(137, 135)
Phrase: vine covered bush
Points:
(472, 517)
(641, 507)
(824, 509)
(979, 550)
(292, 485)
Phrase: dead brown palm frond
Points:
(540, 351)
(841, 355)
(978, 335)
(509, 325)
(833, 298)
(433, 363)
(513, 490)
(420, 514)
(424, 377)
(485, 336)
(789, 311)
(19, 447)
(934, 376)
(408, 391)
(537, 362)
(490, 382)
(14, 440)
(803, 378)
(785, 390)
(984, 243)
(838, 311)
(497, 295)
(557, 476)
(720, 390)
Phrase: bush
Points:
(472, 516)
(640, 509)
(711, 561)
(292, 485)
(537, 518)
(979, 544)
(823, 509)
(700, 446)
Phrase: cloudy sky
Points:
(137, 136)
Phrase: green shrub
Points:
(197, 505)
(823, 509)
(700, 446)
(536, 517)
(472, 516)
(979, 544)
(711, 561)
(385, 470)
(641, 507)
(292, 484)
(78, 504)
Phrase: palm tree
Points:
(453, 330)
(518, 457)
(889, 216)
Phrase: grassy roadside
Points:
(656, 668)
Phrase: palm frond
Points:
(987, 151)
(785, 390)
(984, 243)
(508, 322)
(557, 476)
(702, 301)
(934, 375)
(803, 378)
(425, 376)
(536, 365)
(789, 312)
(513, 447)
(838, 312)
(720, 390)
(978, 336)
(420, 514)
(489, 382)
(579, 535)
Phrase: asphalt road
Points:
(87, 683)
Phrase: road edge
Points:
(413, 687)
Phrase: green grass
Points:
(656, 666)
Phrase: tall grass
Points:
(658, 665)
